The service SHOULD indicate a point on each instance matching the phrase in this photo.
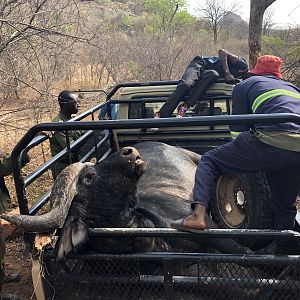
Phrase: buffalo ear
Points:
(64, 243)
(73, 237)
(79, 235)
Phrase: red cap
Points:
(268, 64)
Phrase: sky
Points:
(285, 12)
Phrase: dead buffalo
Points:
(147, 185)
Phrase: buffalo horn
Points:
(62, 194)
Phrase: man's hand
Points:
(49, 134)
(106, 117)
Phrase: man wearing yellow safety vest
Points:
(274, 149)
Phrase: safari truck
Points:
(239, 206)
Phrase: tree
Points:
(38, 43)
(268, 22)
(167, 15)
(257, 10)
(31, 32)
(215, 11)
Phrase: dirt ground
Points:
(16, 261)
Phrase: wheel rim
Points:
(230, 196)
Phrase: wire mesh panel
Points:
(173, 276)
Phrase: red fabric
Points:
(268, 64)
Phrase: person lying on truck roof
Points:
(201, 73)
(272, 148)
(69, 106)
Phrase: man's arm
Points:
(61, 137)
(224, 56)
(5, 165)
(239, 107)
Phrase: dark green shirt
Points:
(58, 141)
(5, 165)
(5, 170)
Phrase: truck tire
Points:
(242, 201)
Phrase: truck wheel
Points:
(242, 201)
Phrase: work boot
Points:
(182, 110)
(6, 296)
(13, 277)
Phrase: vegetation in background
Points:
(49, 45)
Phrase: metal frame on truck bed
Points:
(123, 276)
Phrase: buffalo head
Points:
(87, 191)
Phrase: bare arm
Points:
(224, 56)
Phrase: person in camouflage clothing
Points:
(5, 201)
(69, 106)
(5, 169)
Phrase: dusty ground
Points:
(16, 261)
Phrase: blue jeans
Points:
(194, 83)
(248, 154)
(114, 114)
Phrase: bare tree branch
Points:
(215, 11)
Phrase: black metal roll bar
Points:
(191, 257)
(131, 124)
(201, 234)
(39, 138)
(43, 200)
